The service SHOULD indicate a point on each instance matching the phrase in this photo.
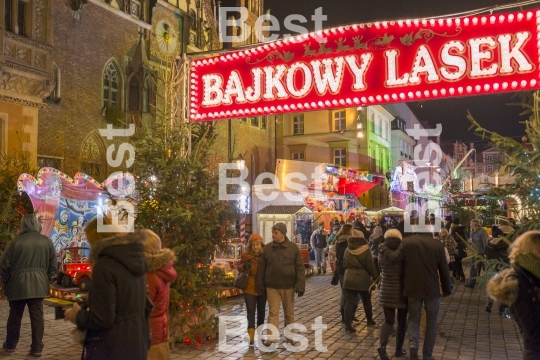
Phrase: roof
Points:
(385, 209)
(283, 209)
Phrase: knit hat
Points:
(281, 227)
(152, 242)
(255, 237)
(357, 234)
(93, 235)
(394, 233)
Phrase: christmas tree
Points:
(178, 188)
(14, 205)
(523, 162)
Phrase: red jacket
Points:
(159, 278)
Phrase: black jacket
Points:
(520, 290)
(458, 233)
(360, 270)
(28, 263)
(392, 279)
(118, 313)
(281, 267)
(341, 245)
(425, 263)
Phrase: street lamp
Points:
(240, 162)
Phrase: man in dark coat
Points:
(425, 263)
(26, 268)
(118, 312)
(281, 275)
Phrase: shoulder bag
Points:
(242, 278)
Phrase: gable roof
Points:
(284, 209)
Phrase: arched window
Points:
(192, 20)
(134, 94)
(111, 86)
(93, 156)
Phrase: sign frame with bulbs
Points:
(370, 64)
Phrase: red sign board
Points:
(369, 64)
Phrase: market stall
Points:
(297, 218)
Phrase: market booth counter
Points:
(297, 218)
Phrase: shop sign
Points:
(368, 64)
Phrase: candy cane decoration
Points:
(242, 227)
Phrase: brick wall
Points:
(81, 50)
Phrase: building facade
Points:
(105, 59)
(27, 70)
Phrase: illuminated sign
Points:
(367, 64)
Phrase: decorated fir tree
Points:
(14, 205)
(177, 191)
(522, 161)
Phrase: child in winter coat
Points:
(332, 257)
(161, 274)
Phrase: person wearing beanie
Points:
(118, 307)
(27, 266)
(518, 288)
(255, 301)
(391, 297)
(160, 275)
(281, 275)
(360, 272)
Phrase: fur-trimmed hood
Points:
(160, 259)
(504, 287)
(127, 249)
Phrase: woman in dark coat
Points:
(360, 272)
(519, 288)
(391, 296)
(116, 319)
(341, 245)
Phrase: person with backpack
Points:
(318, 244)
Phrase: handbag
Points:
(335, 279)
(242, 278)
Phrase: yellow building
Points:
(356, 138)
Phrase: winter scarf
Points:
(256, 254)
(530, 263)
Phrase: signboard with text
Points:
(368, 64)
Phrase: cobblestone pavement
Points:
(468, 332)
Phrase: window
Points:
(55, 94)
(480, 168)
(339, 120)
(21, 17)
(372, 120)
(489, 157)
(384, 128)
(340, 157)
(459, 156)
(92, 156)
(111, 86)
(378, 124)
(298, 156)
(134, 94)
(254, 121)
(7, 15)
(192, 20)
(490, 168)
(49, 161)
(263, 122)
(298, 125)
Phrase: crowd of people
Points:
(132, 273)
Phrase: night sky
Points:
(491, 111)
